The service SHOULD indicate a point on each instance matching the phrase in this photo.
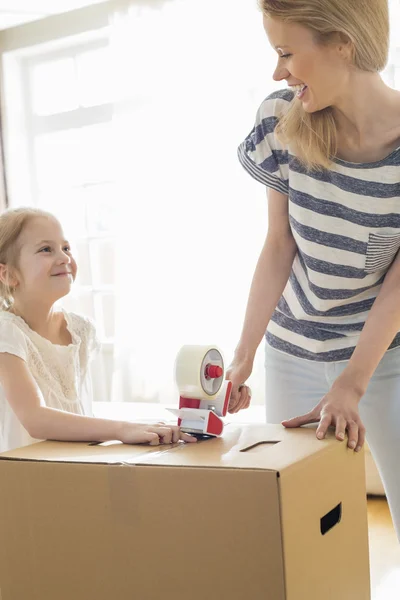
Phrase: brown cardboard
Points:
(237, 517)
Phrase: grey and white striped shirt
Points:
(346, 223)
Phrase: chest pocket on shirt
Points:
(381, 251)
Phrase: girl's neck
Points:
(40, 318)
(49, 324)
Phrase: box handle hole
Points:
(332, 518)
(258, 446)
(108, 443)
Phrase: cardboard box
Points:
(261, 513)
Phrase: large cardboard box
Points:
(261, 513)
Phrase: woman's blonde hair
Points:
(366, 24)
(12, 223)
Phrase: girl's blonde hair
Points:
(12, 223)
(366, 24)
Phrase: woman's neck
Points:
(368, 111)
(367, 118)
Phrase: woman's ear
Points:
(345, 46)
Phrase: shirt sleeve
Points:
(261, 153)
(12, 340)
(85, 329)
(93, 342)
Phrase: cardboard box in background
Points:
(261, 513)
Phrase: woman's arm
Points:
(271, 274)
(381, 326)
(42, 422)
(340, 406)
(269, 280)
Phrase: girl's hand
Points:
(338, 408)
(238, 372)
(160, 433)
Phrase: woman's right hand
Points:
(154, 435)
(238, 372)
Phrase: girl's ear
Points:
(6, 277)
(3, 273)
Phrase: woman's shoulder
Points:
(276, 103)
(272, 108)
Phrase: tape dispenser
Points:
(203, 391)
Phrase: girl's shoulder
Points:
(77, 319)
(10, 322)
(79, 324)
(14, 337)
(82, 327)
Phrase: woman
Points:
(327, 283)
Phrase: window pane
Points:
(80, 301)
(54, 88)
(59, 159)
(100, 202)
(102, 253)
(74, 157)
(75, 175)
(81, 252)
(83, 211)
(96, 145)
(94, 76)
(105, 311)
(69, 206)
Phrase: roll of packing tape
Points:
(199, 371)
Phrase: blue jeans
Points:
(295, 385)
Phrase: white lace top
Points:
(61, 372)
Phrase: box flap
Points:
(81, 452)
(266, 447)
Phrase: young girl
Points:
(45, 388)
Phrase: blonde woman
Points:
(326, 288)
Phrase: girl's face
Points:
(46, 267)
(319, 73)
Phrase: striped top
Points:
(346, 223)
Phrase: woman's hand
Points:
(338, 408)
(238, 372)
(160, 433)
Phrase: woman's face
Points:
(319, 73)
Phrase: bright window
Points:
(68, 159)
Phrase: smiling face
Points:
(46, 267)
(318, 73)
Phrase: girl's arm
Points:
(42, 422)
